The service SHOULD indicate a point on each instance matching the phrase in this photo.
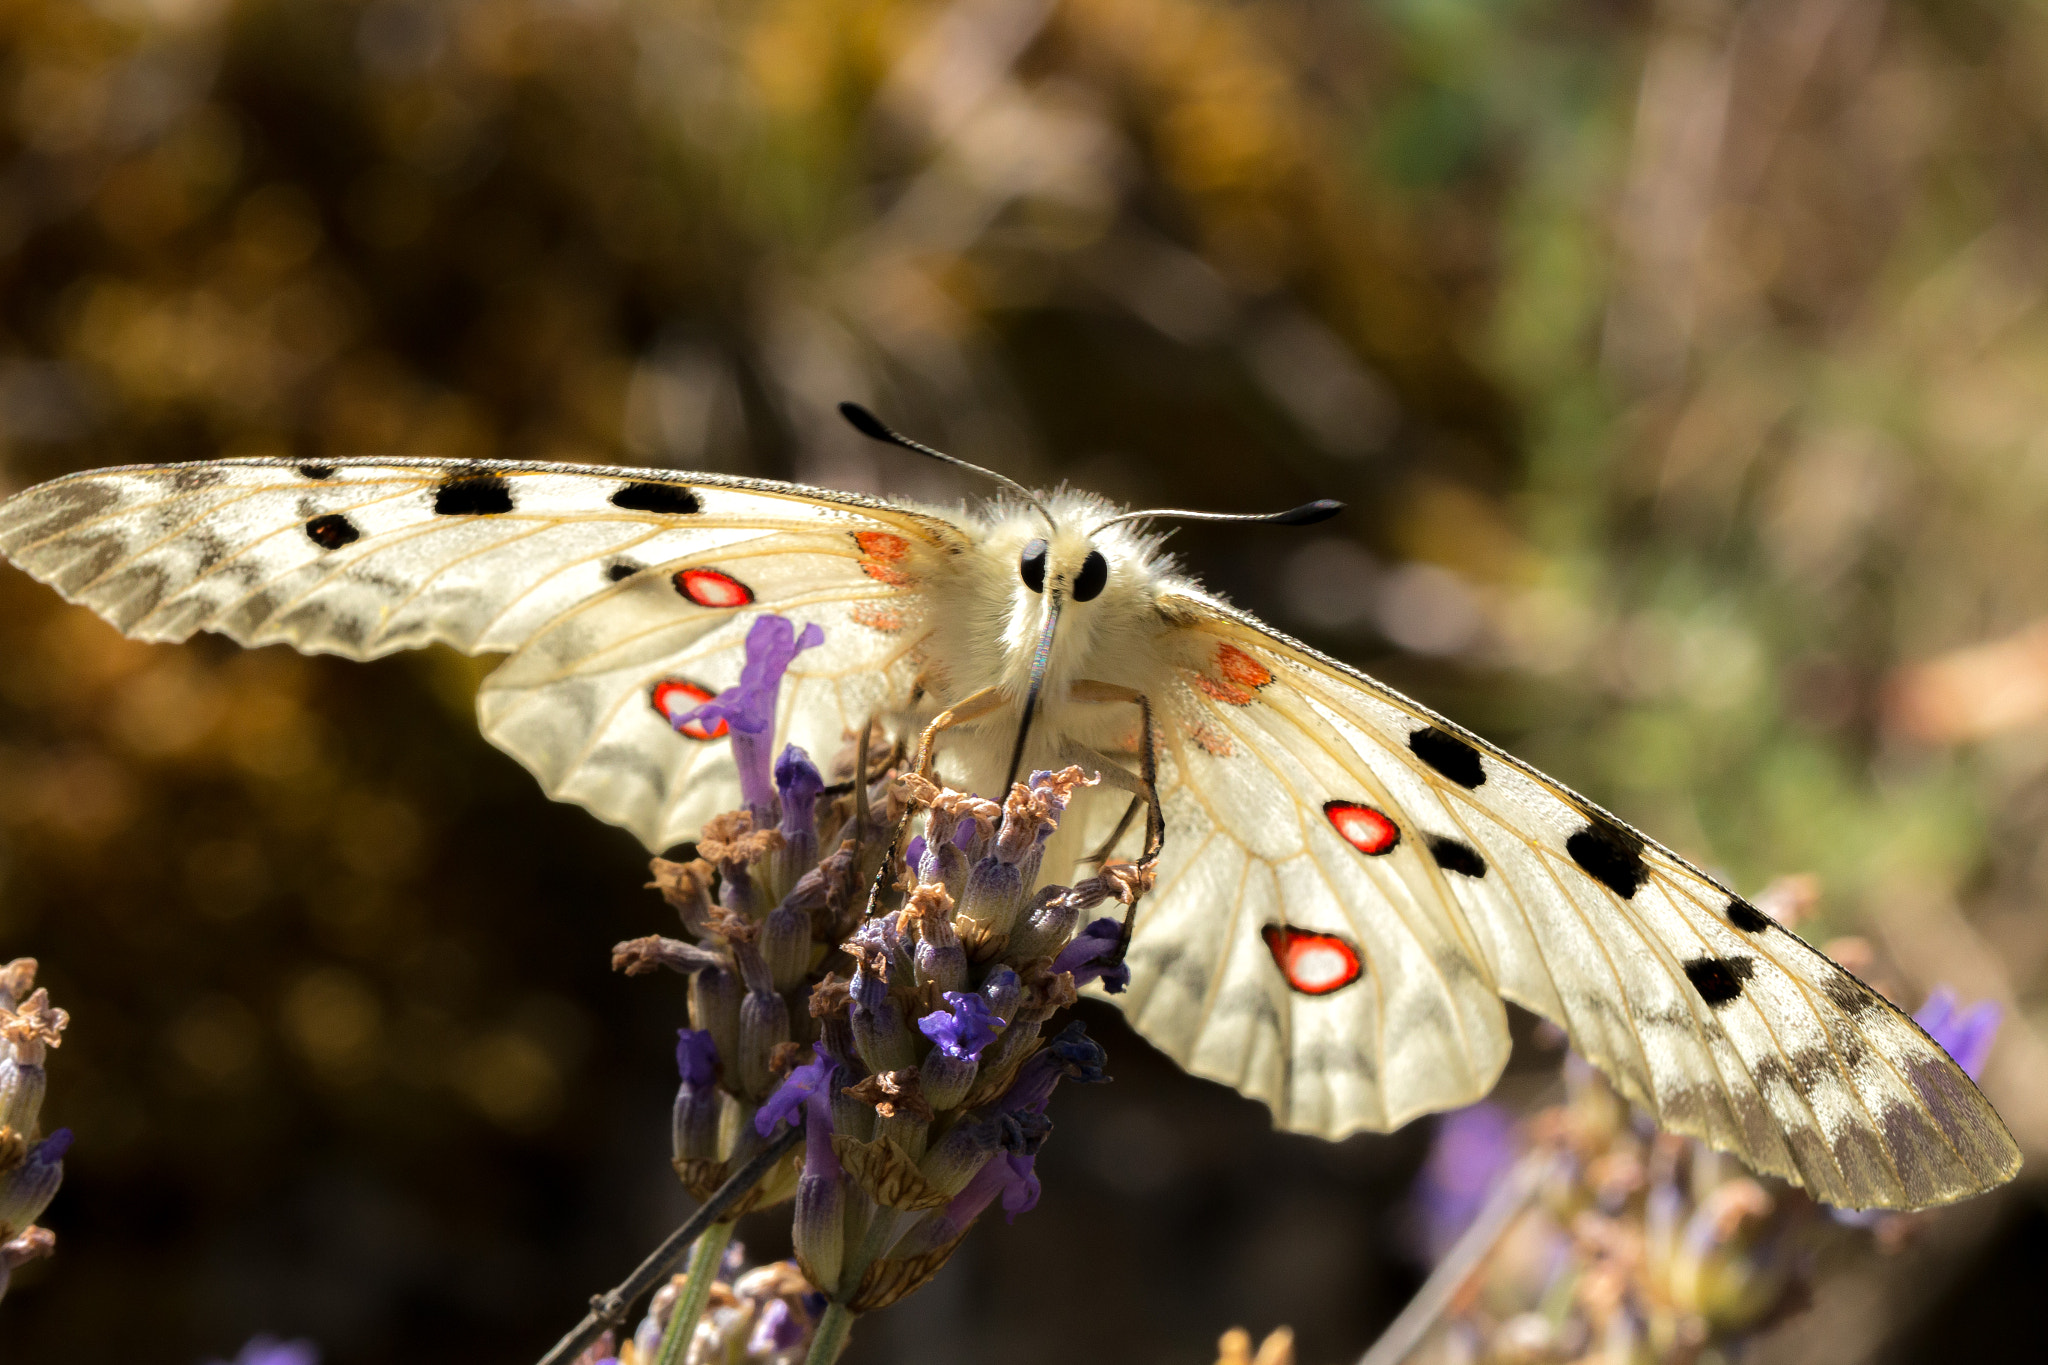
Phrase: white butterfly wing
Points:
(1716, 1020)
(622, 595)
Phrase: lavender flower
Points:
(268, 1350)
(699, 1102)
(29, 1184)
(1086, 956)
(762, 1316)
(964, 1029)
(1966, 1036)
(916, 1119)
(748, 707)
(1472, 1149)
(30, 1170)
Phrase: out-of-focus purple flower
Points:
(1966, 1036)
(748, 707)
(1472, 1149)
(965, 1029)
(778, 1329)
(696, 1057)
(798, 1086)
(1084, 953)
(268, 1350)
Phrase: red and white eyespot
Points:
(710, 588)
(1312, 963)
(1365, 829)
(674, 697)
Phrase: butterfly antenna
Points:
(1308, 514)
(871, 426)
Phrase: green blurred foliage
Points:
(1685, 366)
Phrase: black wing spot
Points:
(316, 472)
(670, 499)
(621, 571)
(1747, 917)
(1610, 855)
(1719, 979)
(473, 495)
(1850, 995)
(1455, 855)
(332, 531)
(1449, 755)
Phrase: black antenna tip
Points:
(1308, 514)
(866, 423)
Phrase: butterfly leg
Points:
(1146, 784)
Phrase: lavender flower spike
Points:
(748, 707)
(1083, 956)
(1967, 1036)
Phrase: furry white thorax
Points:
(985, 623)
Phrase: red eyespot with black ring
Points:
(1313, 963)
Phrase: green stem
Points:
(833, 1330)
(705, 1258)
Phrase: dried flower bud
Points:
(687, 888)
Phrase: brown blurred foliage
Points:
(1685, 365)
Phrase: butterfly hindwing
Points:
(1719, 1022)
(1337, 989)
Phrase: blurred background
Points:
(1684, 365)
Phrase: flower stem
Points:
(830, 1338)
(705, 1258)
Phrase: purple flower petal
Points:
(777, 1330)
(1072, 1056)
(798, 1086)
(268, 1350)
(1084, 953)
(696, 1057)
(748, 707)
(1472, 1149)
(963, 1030)
(1967, 1036)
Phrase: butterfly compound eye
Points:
(1032, 566)
(1094, 575)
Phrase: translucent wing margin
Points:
(602, 583)
(1710, 1016)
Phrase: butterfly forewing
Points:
(603, 584)
(1719, 1022)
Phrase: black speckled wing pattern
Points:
(1309, 804)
